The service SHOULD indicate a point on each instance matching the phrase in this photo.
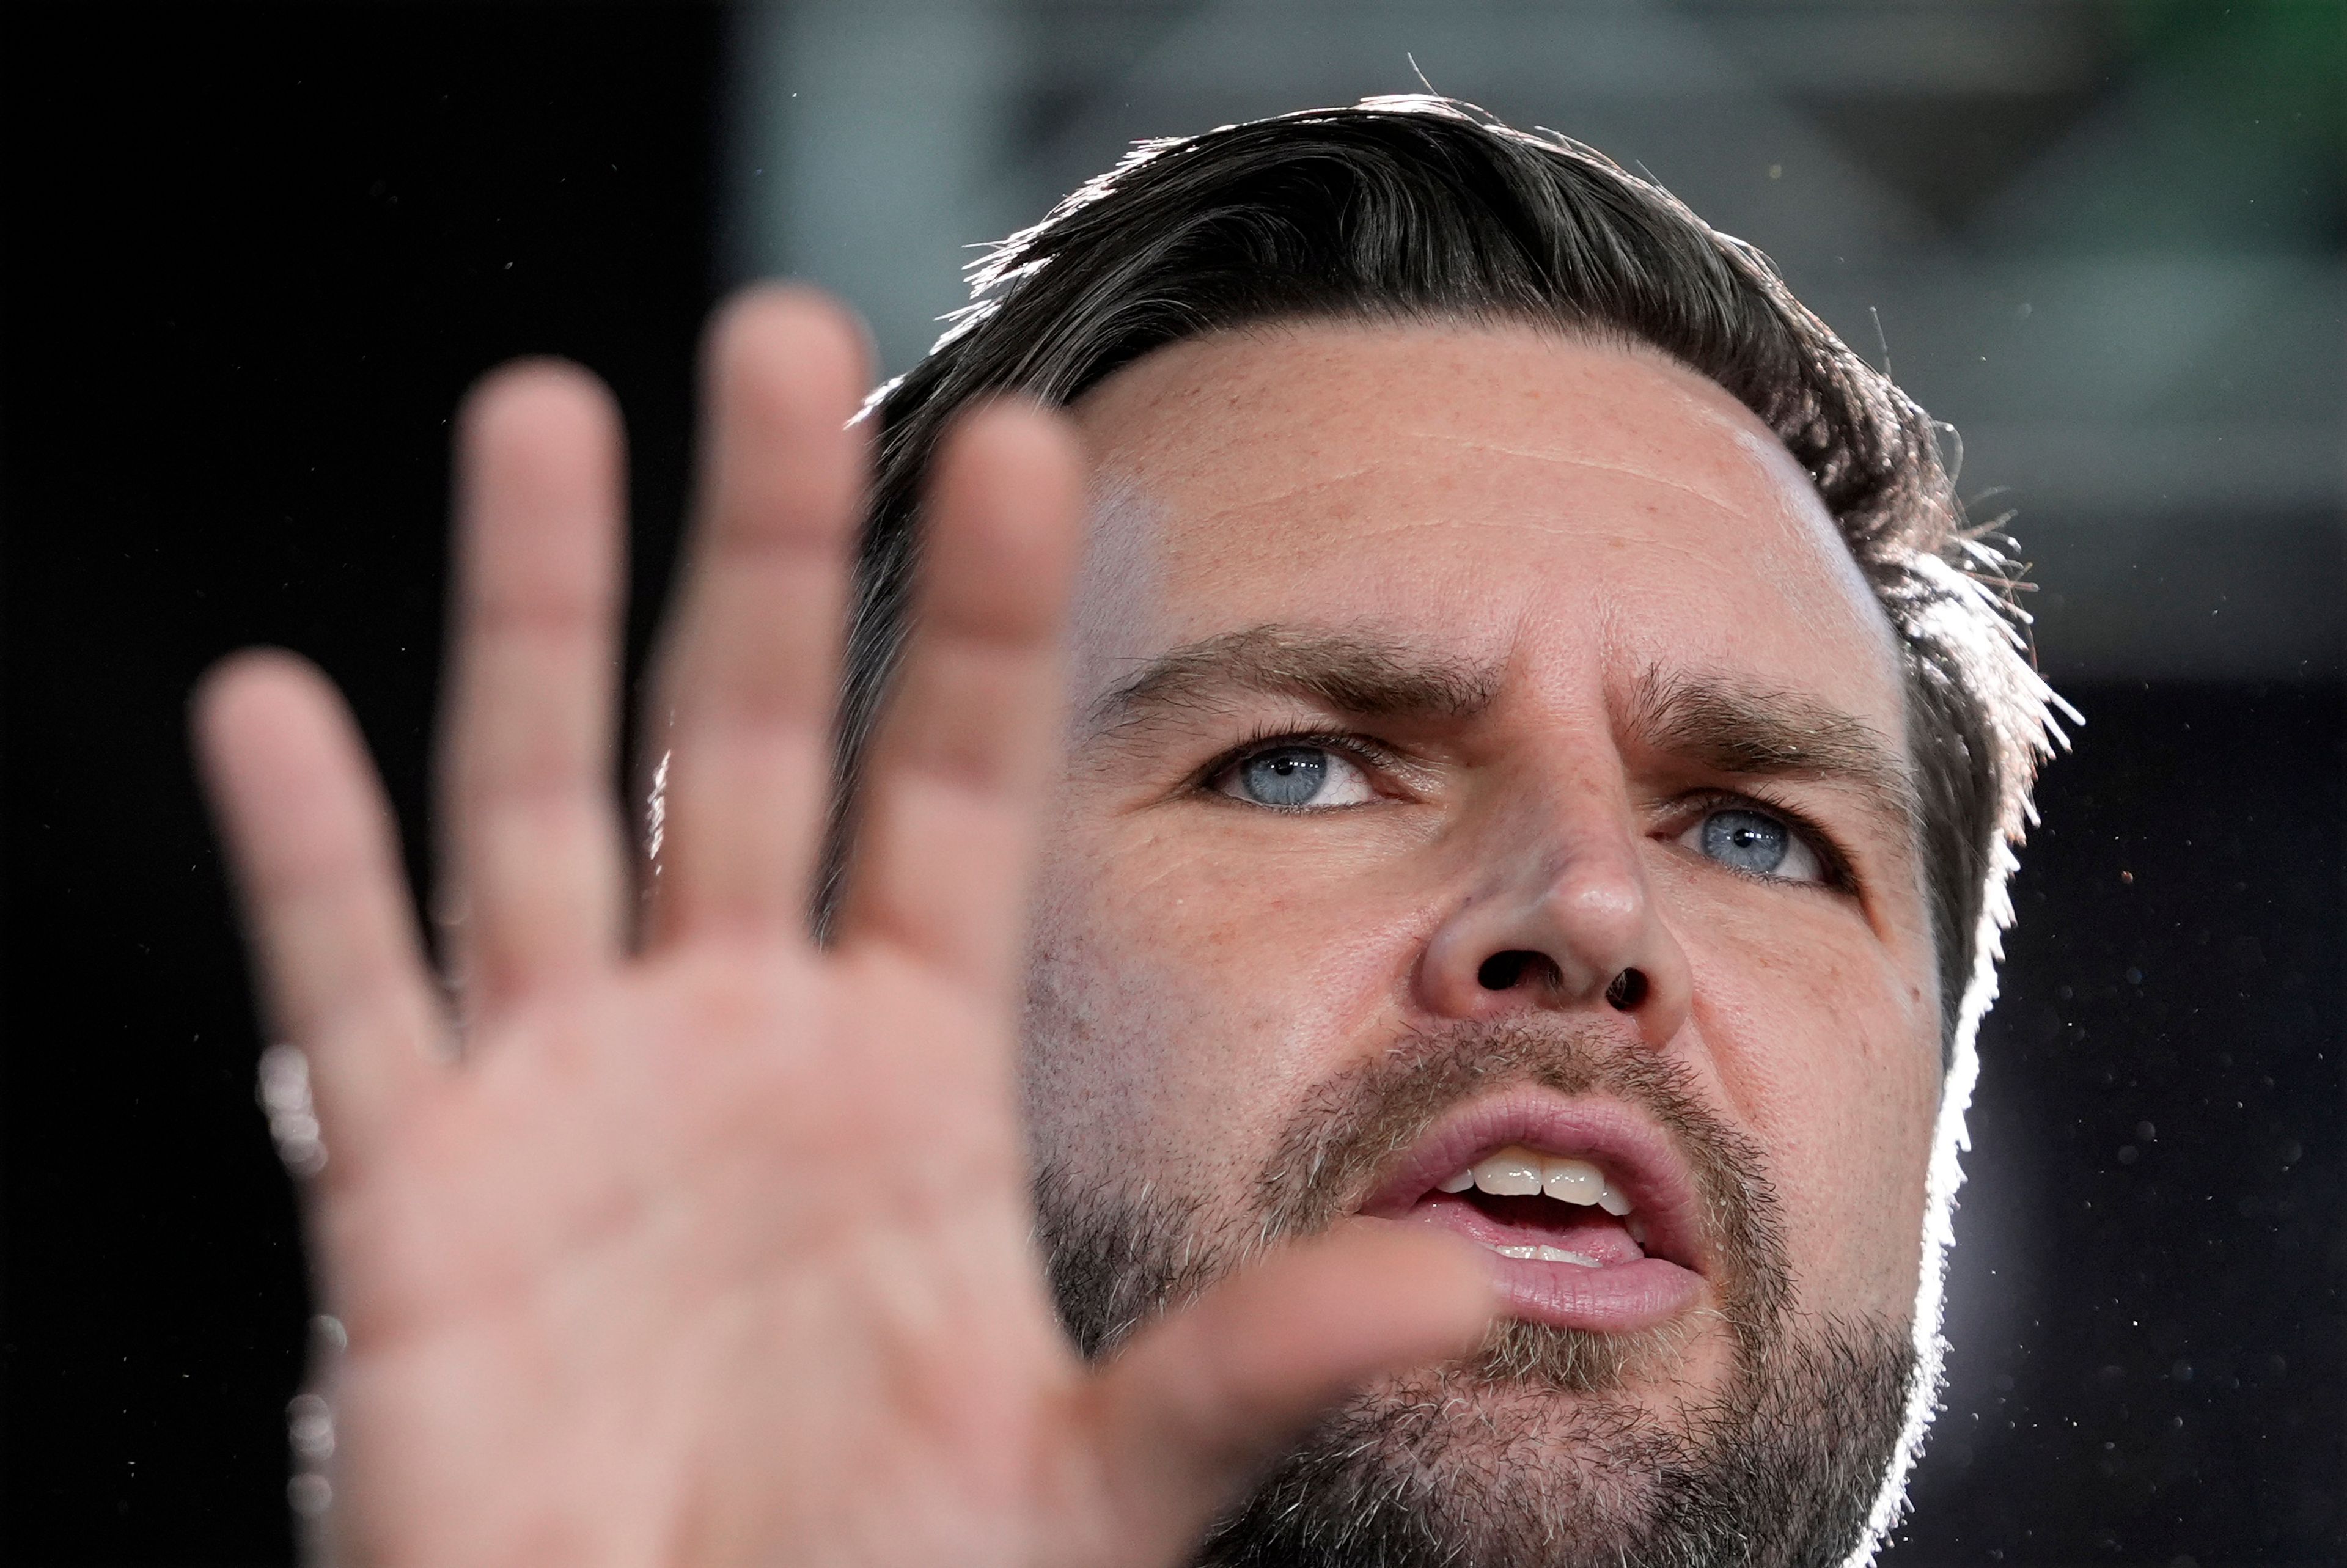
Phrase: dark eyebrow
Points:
(1357, 672)
(1730, 726)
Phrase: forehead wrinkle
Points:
(1563, 527)
(1567, 459)
(1288, 492)
(1369, 470)
(1743, 511)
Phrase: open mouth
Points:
(1590, 1216)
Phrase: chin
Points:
(1689, 1360)
(1661, 1449)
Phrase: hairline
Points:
(1111, 275)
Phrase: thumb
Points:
(1196, 1406)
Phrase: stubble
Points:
(1535, 1450)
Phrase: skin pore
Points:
(1423, 680)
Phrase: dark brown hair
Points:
(1425, 209)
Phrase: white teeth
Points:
(1509, 1173)
(1517, 1171)
(1547, 1255)
(1637, 1229)
(1572, 1181)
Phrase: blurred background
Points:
(254, 254)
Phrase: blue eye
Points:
(1294, 778)
(1291, 775)
(1746, 840)
(1755, 844)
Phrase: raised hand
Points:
(680, 1238)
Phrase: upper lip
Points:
(1635, 1152)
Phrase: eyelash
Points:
(1270, 737)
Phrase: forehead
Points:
(1572, 511)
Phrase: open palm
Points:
(685, 1239)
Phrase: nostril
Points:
(1505, 971)
(1628, 989)
(1500, 971)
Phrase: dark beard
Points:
(1517, 1455)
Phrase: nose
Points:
(1565, 922)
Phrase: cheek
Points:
(1183, 1001)
(1827, 1048)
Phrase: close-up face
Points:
(1486, 808)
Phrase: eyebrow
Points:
(1726, 724)
(1351, 671)
(1718, 720)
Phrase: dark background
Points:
(253, 256)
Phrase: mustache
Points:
(1355, 1124)
(1453, 1463)
(1116, 1259)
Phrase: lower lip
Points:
(1621, 1300)
(1615, 1298)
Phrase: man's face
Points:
(1487, 762)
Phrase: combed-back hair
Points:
(1426, 210)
